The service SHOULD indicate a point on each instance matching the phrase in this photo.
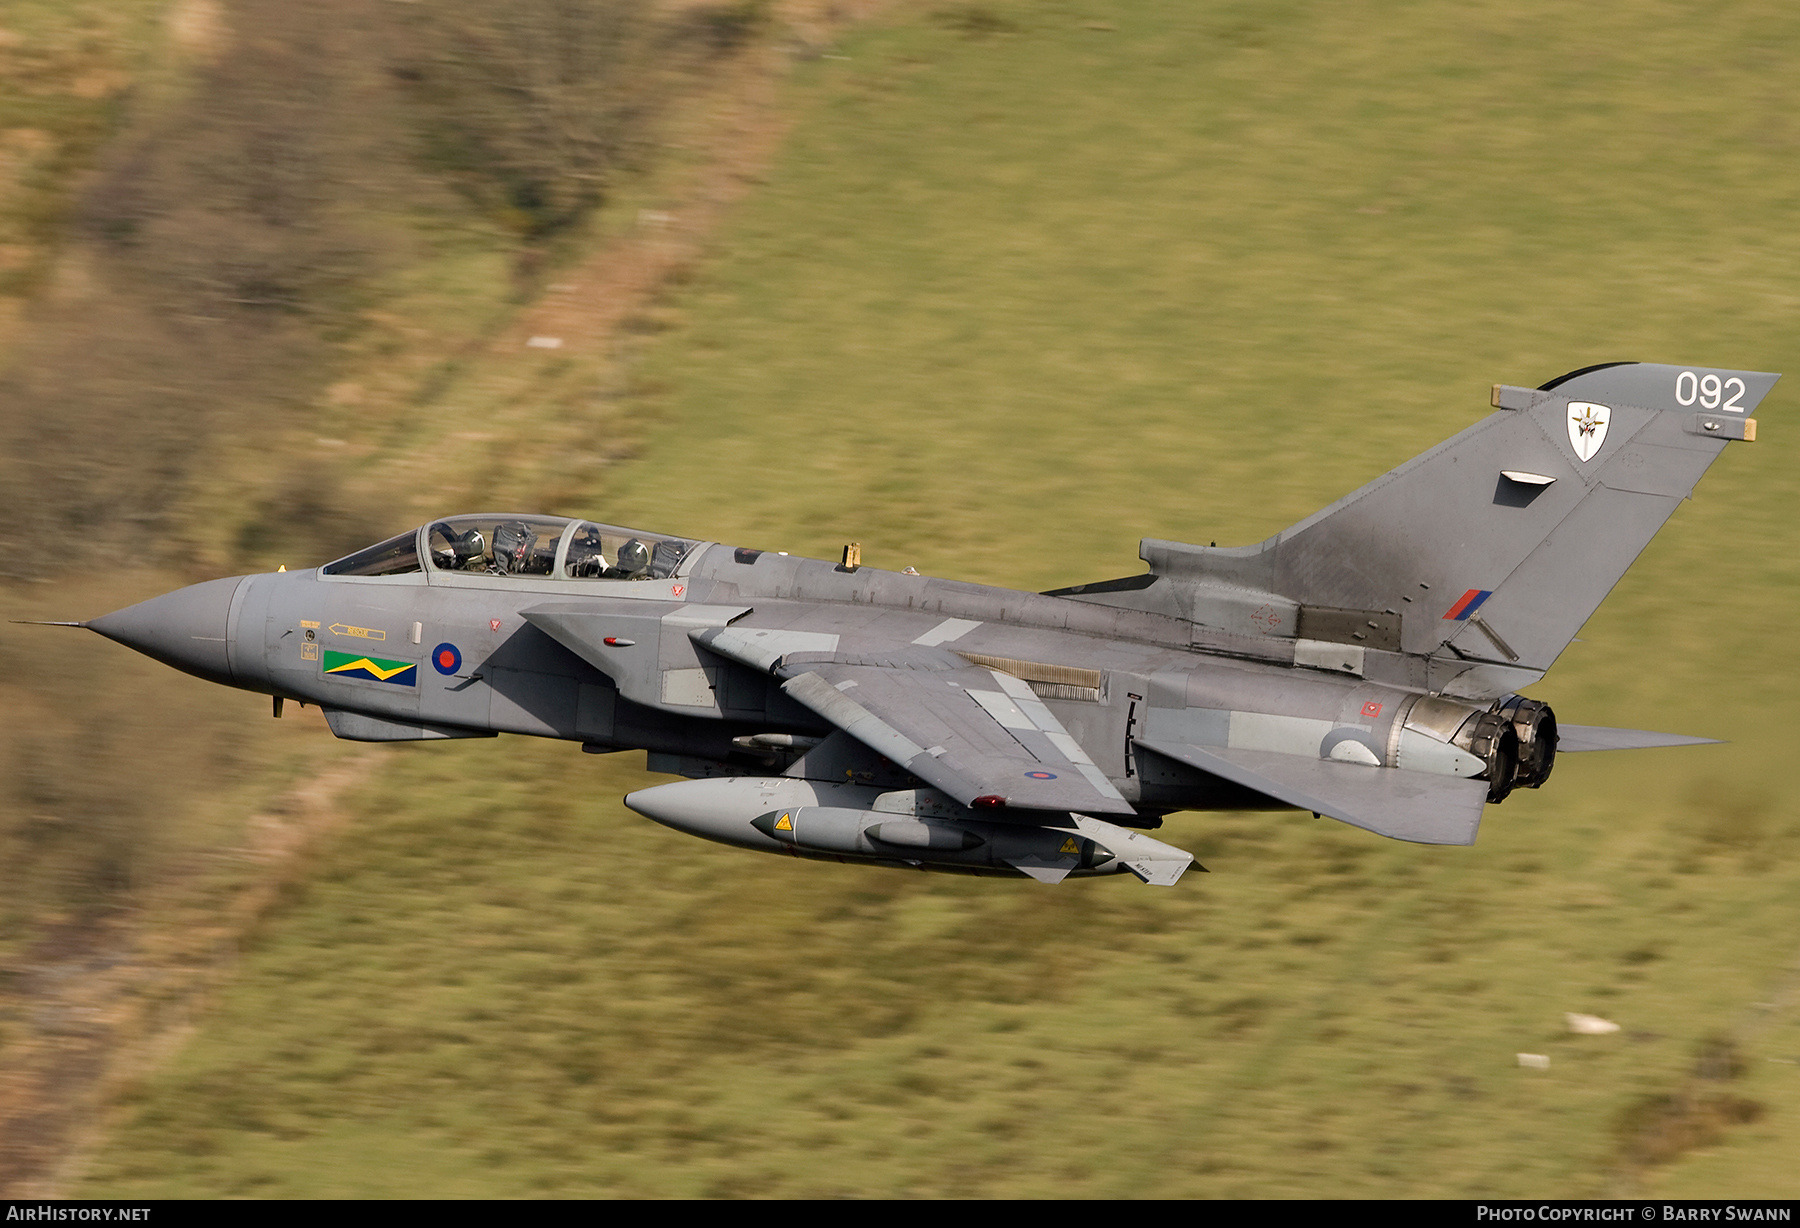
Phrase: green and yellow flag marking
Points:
(370, 669)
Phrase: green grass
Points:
(1031, 281)
(64, 67)
(103, 750)
(500, 984)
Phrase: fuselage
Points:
(446, 651)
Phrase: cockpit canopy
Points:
(550, 547)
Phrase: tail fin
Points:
(1485, 555)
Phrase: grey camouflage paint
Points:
(1362, 664)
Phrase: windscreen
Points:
(394, 557)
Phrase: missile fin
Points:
(1154, 863)
(1043, 869)
(1158, 873)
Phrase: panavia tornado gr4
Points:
(1365, 664)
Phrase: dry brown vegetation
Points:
(1658, 1129)
(200, 266)
(220, 262)
(231, 236)
(218, 255)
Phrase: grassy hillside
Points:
(259, 267)
(64, 69)
(1028, 282)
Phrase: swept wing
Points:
(981, 736)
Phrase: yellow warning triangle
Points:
(784, 823)
(1069, 846)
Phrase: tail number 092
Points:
(1709, 390)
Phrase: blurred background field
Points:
(1019, 284)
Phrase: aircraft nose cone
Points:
(188, 628)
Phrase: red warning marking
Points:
(1371, 709)
(493, 624)
(678, 589)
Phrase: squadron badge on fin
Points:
(1587, 428)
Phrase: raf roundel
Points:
(1040, 775)
(446, 659)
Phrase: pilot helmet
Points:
(587, 555)
(470, 548)
(634, 557)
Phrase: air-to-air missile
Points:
(1364, 664)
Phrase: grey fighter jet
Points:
(1364, 664)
